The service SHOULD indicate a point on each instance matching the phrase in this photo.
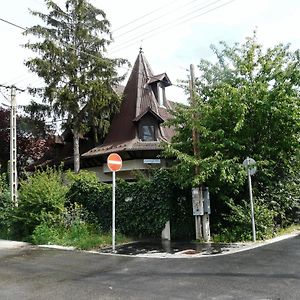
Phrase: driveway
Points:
(268, 272)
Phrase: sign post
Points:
(114, 163)
(249, 164)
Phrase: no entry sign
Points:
(114, 162)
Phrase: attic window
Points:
(161, 94)
(148, 133)
(158, 89)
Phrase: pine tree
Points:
(79, 78)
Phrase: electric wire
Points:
(13, 24)
(169, 25)
(153, 30)
(94, 56)
(157, 18)
(143, 16)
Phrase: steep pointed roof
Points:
(138, 99)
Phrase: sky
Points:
(173, 34)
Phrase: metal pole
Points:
(114, 213)
(251, 202)
(13, 149)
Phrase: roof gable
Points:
(149, 111)
(138, 102)
(160, 77)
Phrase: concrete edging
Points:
(6, 244)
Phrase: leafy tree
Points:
(71, 59)
(33, 139)
(247, 104)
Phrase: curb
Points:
(241, 247)
(188, 253)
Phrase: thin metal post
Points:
(114, 213)
(13, 149)
(251, 202)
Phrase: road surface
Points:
(268, 272)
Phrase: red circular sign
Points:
(114, 162)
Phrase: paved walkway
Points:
(4, 244)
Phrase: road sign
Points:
(250, 164)
(197, 199)
(114, 162)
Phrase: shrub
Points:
(86, 190)
(74, 227)
(6, 207)
(142, 207)
(41, 200)
(239, 226)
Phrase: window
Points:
(148, 133)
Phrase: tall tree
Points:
(71, 50)
(248, 104)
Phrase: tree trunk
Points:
(76, 151)
(95, 133)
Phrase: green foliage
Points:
(41, 199)
(142, 207)
(32, 139)
(71, 46)
(86, 190)
(73, 228)
(6, 207)
(246, 104)
(239, 221)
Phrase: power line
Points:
(4, 96)
(126, 45)
(160, 16)
(94, 56)
(9, 87)
(153, 30)
(143, 16)
(13, 24)
(169, 25)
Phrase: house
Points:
(138, 130)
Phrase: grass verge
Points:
(80, 236)
(229, 238)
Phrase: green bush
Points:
(79, 234)
(6, 208)
(86, 190)
(239, 226)
(41, 199)
(142, 207)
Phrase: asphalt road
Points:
(268, 272)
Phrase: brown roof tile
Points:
(138, 99)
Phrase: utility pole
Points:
(13, 143)
(13, 148)
(197, 195)
(201, 217)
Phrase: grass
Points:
(227, 237)
(80, 236)
(289, 229)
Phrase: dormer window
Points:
(161, 94)
(158, 83)
(147, 125)
(148, 133)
